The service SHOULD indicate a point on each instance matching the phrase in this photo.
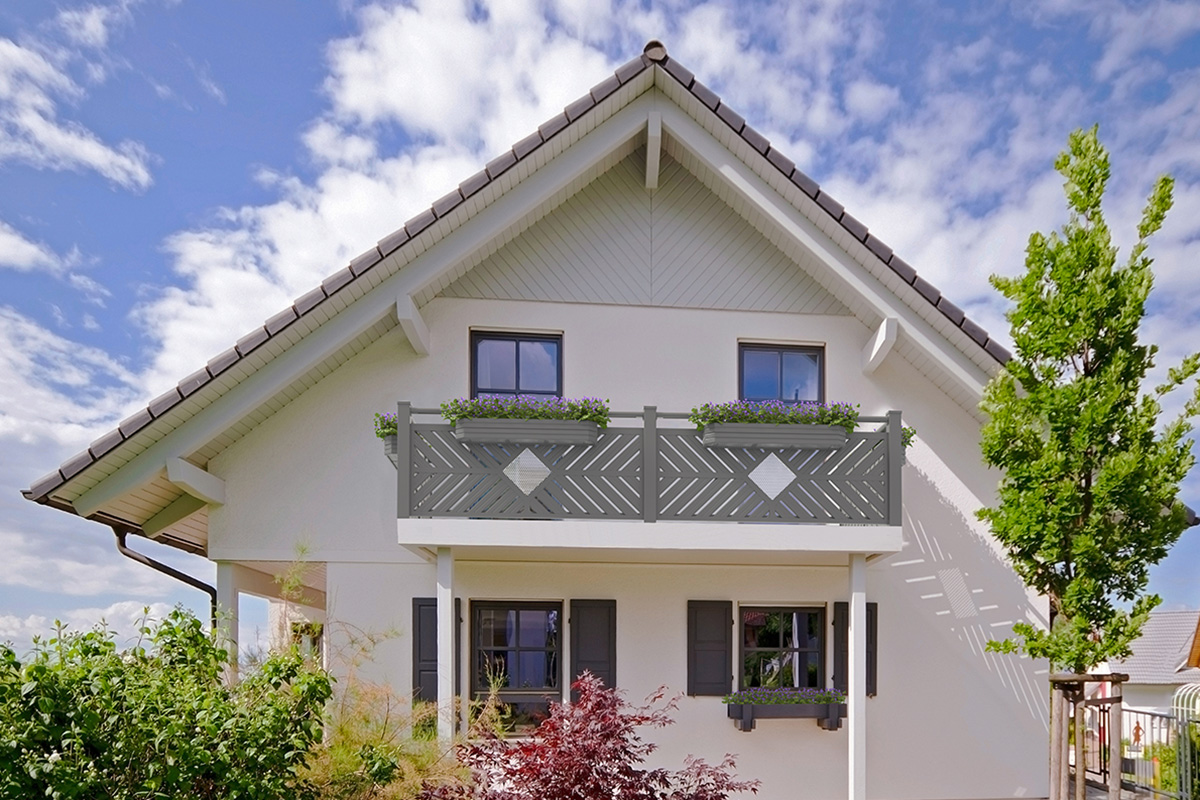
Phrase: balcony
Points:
(651, 467)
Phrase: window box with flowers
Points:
(826, 706)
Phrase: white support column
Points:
(445, 643)
(857, 678)
(227, 613)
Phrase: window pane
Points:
(761, 628)
(798, 670)
(497, 627)
(538, 628)
(496, 365)
(801, 376)
(539, 367)
(538, 670)
(523, 716)
(760, 375)
(495, 669)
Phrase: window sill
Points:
(829, 716)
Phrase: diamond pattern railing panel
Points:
(694, 482)
(500, 481)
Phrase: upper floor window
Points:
(774, 372)
(516, 363)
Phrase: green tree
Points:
(1088, 499)
(81, 719)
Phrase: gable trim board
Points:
(223, 400)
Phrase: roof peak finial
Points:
(655, 50)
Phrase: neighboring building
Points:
(1165, 656)
(649, 247)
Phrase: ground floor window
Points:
(782, 647)
(515, 649)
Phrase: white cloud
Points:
(871, 101)
(90, 26)
(42, 563)
(21, 254)
(33, 80)
(124, 619)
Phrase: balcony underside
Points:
(674, 542)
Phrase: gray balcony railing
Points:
(857, 483)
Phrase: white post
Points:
(857, 679)
(445, 643)
(227, 614)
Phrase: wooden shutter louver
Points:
(841, 646)
(710, 647)
(594, 640)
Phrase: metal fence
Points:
(651, 472)
(1160, 753)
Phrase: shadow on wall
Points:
(951, 576)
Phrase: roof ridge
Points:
(653, 53)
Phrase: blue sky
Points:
(173, 173)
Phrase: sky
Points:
(173, 172)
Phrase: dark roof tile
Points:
(973, 330)
(44, 484)
(731, 118)
(447, 203)
(308, 301)
(420, 222)
(75, 464)
(192, 382)
(337, 280)
(251, 341)
(631, 69)
(997, 351)
(580, 107)
(364, 261)
(952, 312)
(834, 208)
(756, 140)
(553, 125)
(706, 95)
(165, 402)
(474, 183)
(280, 321)
(105, 443)
(500, 164)
(806, 184)
(879, 248)
(781, 162)
(902, 268)
(527, 145)
(134, 423)
(604, 88)
(856, 228)
(388, 244)
(679, 72)
(221, 362)
(927, 290)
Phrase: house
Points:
(1165, 657)
(647, 246)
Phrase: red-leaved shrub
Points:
(587, 750)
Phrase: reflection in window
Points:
(516, 364)
(782, 648)
(790, 374)
(515, 650)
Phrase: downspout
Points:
(158, 566)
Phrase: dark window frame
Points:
(517, 338)
(515, 695)
(822, 639)
(807, 349)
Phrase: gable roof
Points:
(366, 271)
(1162, 654)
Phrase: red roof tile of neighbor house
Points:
(654, 53)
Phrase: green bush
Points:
(81, 719)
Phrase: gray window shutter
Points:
(710, 647)
(594, 640)
(841, 646)
(424, 628)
